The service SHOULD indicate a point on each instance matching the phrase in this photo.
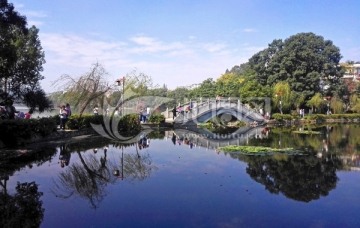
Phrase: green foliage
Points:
(206, 89)
(228, 85)
(129, 125)
(301, 60)
(316, 102)
(297, 99)
(355, 103)
(14, 132)
(256, 149)
(157, 118)
(86, 90)
(156, 135)
(24, 208)
(21, 58)
(81, 122)
(283, 117)
(307, 132)
(282, 96)
(336, 105)
(250, 89)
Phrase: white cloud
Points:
(178, 63)
(144, 44)
(214, 47)
(248, 30)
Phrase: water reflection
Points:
(89, 177)
(302, 178)
(24, 208)
(86, 179)
(87, 168)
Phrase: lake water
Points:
(182, 180)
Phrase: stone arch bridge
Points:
(200, 112)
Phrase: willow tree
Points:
(316, 102)
(337, 105)
(282, 96)
(86, 89)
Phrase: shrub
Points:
(129, 125)
(282, 117)
(15, 132)
(157, 118)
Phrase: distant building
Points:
(351, 76)
(352, 71)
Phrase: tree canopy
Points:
(21, 58)
(305, 60)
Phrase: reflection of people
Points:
(143, 142)
(325, 146)
(64, 156)
(173, 138)
(103, 159)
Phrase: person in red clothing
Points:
(28, 114)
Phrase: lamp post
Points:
(328, 98)
(280, 102)
(121, 81)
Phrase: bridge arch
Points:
(204, 111)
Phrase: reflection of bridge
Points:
(224, 108)
(204, 138)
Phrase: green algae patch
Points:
(257, 150)
(307, 132)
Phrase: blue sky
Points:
(178, 42)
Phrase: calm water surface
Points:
(181, 180)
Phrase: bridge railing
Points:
(194, 108)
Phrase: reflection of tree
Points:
(87, 179)
(24, 209)
(137, 167)
(303, 178)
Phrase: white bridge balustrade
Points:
(206, 109)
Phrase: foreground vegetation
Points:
(21, 131)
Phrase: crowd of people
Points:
(182, 140)
(8, 111)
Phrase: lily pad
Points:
(307, 132)
(257, 150)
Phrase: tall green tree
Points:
(206, 89)
(303, 60)
(228, 85)
(21, 58)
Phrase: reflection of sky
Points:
(189, 187)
